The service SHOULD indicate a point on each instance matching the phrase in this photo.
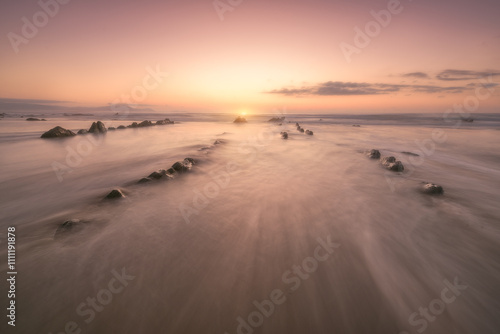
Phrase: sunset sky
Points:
(254, 55)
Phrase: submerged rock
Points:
(218, 142)
(68, 226)
(98, 127)
(114, 194)
(111, 128)
(411, 153)
(392, 164)
(431, 189)
(374, 154)
(309, 132)
(58, 132)
(356, 125)
(82, 132)
(121, 127)
(33, 119)
(240, 119)
(284, 135)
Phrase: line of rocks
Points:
(394, 165)
(178, 168)
(301, 130)
(99, 128)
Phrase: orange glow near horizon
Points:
(94, 53)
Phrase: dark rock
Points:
(111, 128)
(218, 142)
(144, 180)
(144, 124)
(133, 125)
(297, 125)
(284, 135)
(410, 153)
(82, 132)
(301, 130)
(121, 127)
(164, 122)
(183, 166)
(68, 226)
(392, 164)
(356, 125)
(309, 132)
(98, 127)
(58, 132)
(33, 119)
(240, 119)
(170, 171)
(44, 120)
(158, 174)
(277, 119)
(374, 154)
(431, 189)
(114, 194)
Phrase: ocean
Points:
(263, 234)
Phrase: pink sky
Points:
(264, 55)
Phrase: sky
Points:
(256, 56)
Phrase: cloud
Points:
(419, 75)
(456, 75)
(7, 100)
(339, 88)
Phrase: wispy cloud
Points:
(418, 75)
(339, 88)
(456, 75)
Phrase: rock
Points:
(410, 153)
(67, 227)
(58, 132)
(165, 121)
(144, 180)
(277, 119)
(218, 142)
(111, 128)
(240, 119)
(82, 132)
(133, 125)
(98, 127)
(284, 135)
(309, 132)
(301, 130)
(44, 120)
(297, 125)
(392, 164)
(356, 125)
(157, 174)
(183, 166)
(33, 119)
(121, 127)
(114, 194)
(431, 189)
(374, 154)
(144, 124)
